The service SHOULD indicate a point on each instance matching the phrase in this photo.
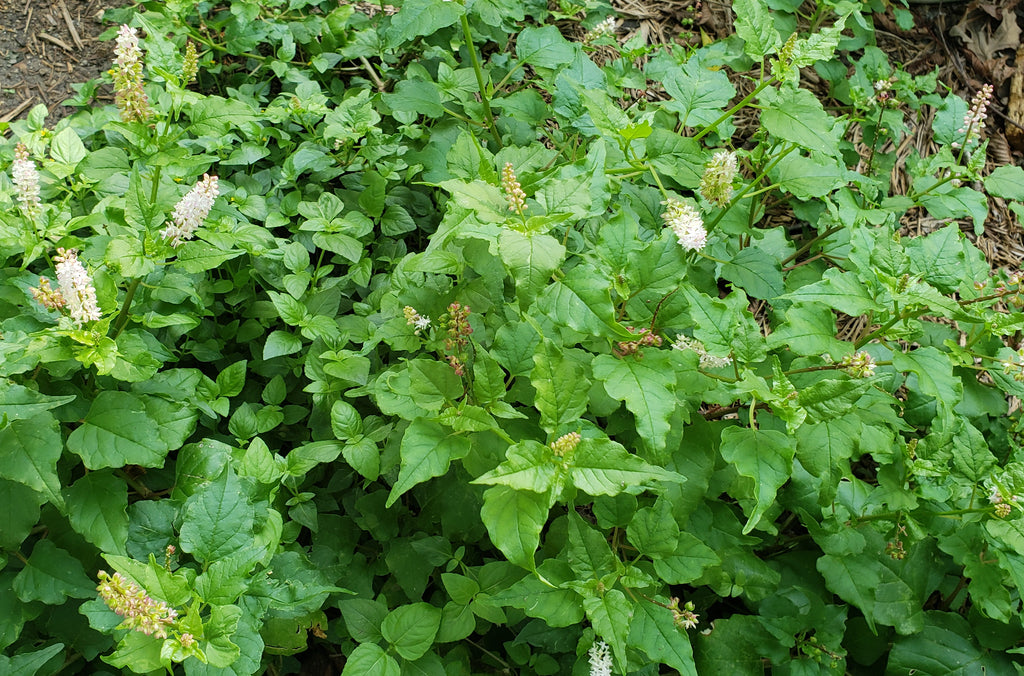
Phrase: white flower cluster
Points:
(686, 223)
(600, 659)
(974, 119)
(716, 183)
(606, 27)
(707, 361)
(192, 210)
(414, 318)
(26, 180)
(76, 287)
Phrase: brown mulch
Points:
(45, 47)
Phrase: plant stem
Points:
(122, 316)
(481, 85)
(729, 113)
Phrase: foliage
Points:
(459, 361)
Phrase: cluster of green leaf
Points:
(435, 390)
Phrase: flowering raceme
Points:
(129, 96)
(600, 659)
(716, 184)
(191, 211)
(974, 119)
(26, 180)
(76, 287)
(139, 610)
(686, 223)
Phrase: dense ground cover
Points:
(426, 340)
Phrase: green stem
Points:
(729, 113)
(122, 316)
(817, 238)
(484, 97)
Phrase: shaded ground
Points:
(45, 47)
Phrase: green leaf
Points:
(51, 575)
(427, 451)
(653, 530)
(215, 115)
(587, 551)
(725, 325)
(766, 457)
(934, 371)
(877, 591)
(543, 595)
(218, 519)
(29, 663)
(416, 96)
(196, 257)
(67, 148)
(582, 301)
(530, 259)
(29, 451)
(945, 645)
(946, 258)
(754, 25)
(699, 94)
(422, 17)
(543, 47)
(688, 562)
(19, 403)
(369, 659)
(128, 429)
(363, 618)
(646, 385)
(19, 512)
(1006, 181)
(809, 329)
(603, 467)
(232, 379)
(411, 629)
(807, 178)
(514, 520)
(654, 631)
(840, 290)
(562, 391)
(98, 510)
(797, 116)
(757, 272)
(610, 614)
(280, 343)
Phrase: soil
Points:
(45, 47)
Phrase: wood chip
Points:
(18, 110)
(71, 25)
(57, 41)
(1015, 111)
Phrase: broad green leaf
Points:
(140, 651)
(603, 467)
(840, 290)
(98, 510)
(582, 301)
(610, 614)
(754, 25)
(196, 257)
(218, 519)
(874, 589)
(732, 646)
(127, 429)
(562, 391)
(654, 631)
(215, 115)
(369, 659)
(232, 379)
(543, 596)
(530, 259)
(807, 178)
(971, 454)
(818, 46)
(543, 47)
(427, 451)
(946, 258)
(29, 451)
(830, 398)
(529, 465)
(410, 629)
(757, 272)
(699, 94)
(29, 663)
(51, 575)
(653, 530)
(688, 562)
(766, 457)
(1006, 181)
(934, 371)
(514, 520)
(646, 385)
(416, 96)
(809, 329)
(422, 17)
(725, 325)
(797, 116)
(945, 645)
(587, 551)
(280, 343)
(19, 403)
(363, 618)
(19, 512)
(67, 148)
